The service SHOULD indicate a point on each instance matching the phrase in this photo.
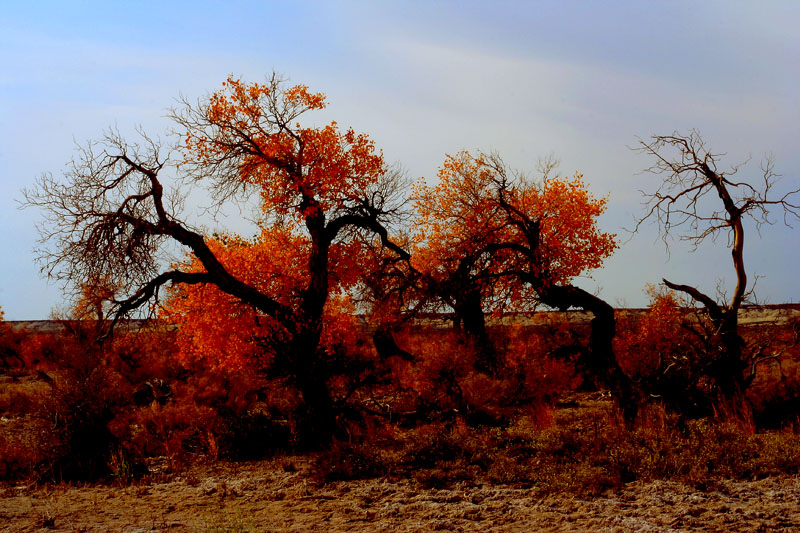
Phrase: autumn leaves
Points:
(329, 234)
(341, 239)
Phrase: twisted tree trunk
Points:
(603, 329)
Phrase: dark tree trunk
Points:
(469, 311)
(316, 422)
(386, 346)
(603, 329)
(316, 418)
(729, 368)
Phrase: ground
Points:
(281, 495)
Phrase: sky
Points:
(583, 81)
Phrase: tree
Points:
(113, 220)
(491, 235)
(555, 238)
(685, 203)
(457, 227)
(227, 333)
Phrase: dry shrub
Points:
(667, 352)
(250, 416)
(591, 458)
(80, 406)
(434, 454)
(11, 349)
(534, 372)
(585, 454)
(173, 430)
(145, 354)
(664, 446)
(344, 461)
(441, 362)
(106, 405)
(212, 412)
(19, 448)
(775, 392)
(440, 454)
(76, 389)
(542, 361)
(17, 393)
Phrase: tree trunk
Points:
(603, 329)
(728, 370)
(316, 418)
(470, 312)
(386, 346)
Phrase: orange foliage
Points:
(218, 328)
(442, 362)
(443, 376)
(93, 301)
(644, 348)
(461, 217)
(306, 177)
(530, 357)
(289, 164)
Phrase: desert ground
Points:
(279, 495)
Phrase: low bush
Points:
(78, 410)
(535, 371)
(20, 448)
(86, 411)
(584, 454)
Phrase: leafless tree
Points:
(699, 201)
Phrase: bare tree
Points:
(698, 201)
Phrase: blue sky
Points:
(581, 80)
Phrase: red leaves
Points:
(463, 219)
(644, 347)
(297, 170)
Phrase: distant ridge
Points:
(55, 326)
(748, 315)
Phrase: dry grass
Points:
(586, 451)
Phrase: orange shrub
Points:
(667, 351)
(642, 346)
(173, 430)
(543, 362)
(443, 375)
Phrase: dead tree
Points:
(698, 201)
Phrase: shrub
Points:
(19, 448)
(79, 408)
(667, 353)
(542, 361)
(445, 382)
(172, 430)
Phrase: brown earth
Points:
(280, 495)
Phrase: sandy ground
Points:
(264, 496)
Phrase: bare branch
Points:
(689, 173)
